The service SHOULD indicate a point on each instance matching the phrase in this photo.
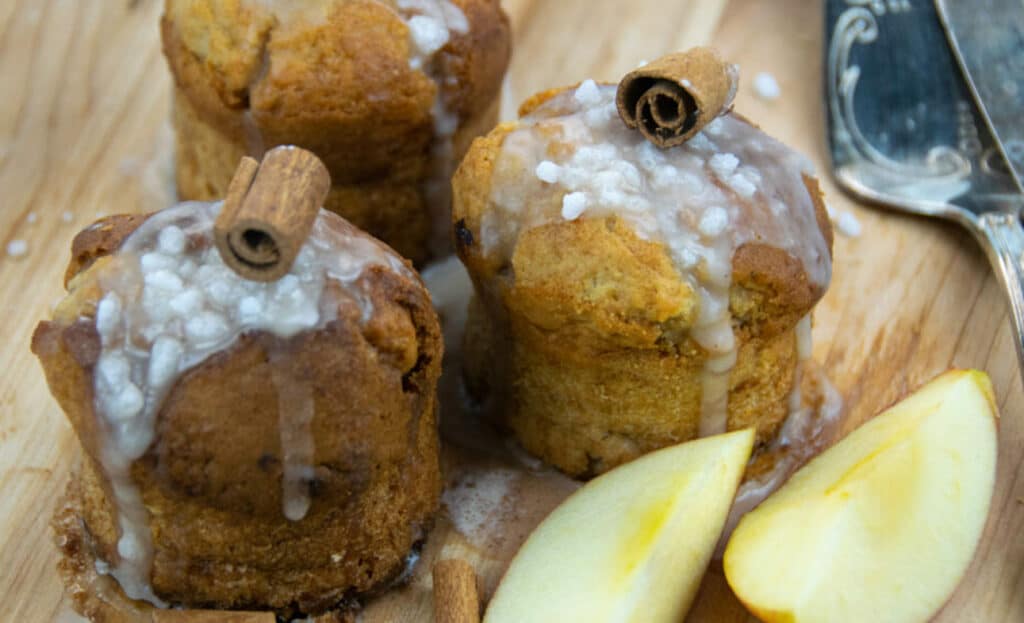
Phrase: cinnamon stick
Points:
(211, 616)
(674, 97)
(456, 599)
(269, 211)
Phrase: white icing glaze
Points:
(804, 343)
(804, 346)
(169, 303)
(431, 24)
(729, 185)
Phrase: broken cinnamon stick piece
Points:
(211, 616)
(674, 97)
(269, 211)
(456, 599)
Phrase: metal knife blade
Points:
(987, 38)
(903, 128)
(904, 132)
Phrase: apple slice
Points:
(881, 527)
(631, 544)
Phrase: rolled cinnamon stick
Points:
(456, 599)
(269, 211)
(674, 97)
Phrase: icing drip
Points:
(169, 303)
(729, 185)
(431, 24)
(804, 343)
(295, 425)
(807, 431)
(450, 290)
(135, 545)
(804, 346)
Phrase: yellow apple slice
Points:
(881, 527)
(631, 545)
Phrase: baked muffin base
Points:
(98, 597)
(211, 488)
(585, 412)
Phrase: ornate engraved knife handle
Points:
(1002, 236)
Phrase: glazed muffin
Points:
(388, 93)
(247, 445)
(629, 297)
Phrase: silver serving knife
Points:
(987, 38)
(904, 131)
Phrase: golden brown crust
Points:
(536, 100)
(98, 597)
(820, 210)
(596, 282)
(212, 478)
(471, 193)
(248, 79)
(772, 290)
(583, 332)
(99, 239)
(477, 59)
(774, 280)
(587, 412)
(348, 75)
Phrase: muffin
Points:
(388, 93)
(247, 445)
(629, 297)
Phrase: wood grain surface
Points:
(84, 132)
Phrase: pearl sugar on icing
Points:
(728, 185)
(170, 302)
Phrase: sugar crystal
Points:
(573, 205)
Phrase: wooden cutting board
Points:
(84, 132)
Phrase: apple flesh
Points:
(630, 545)
(882, 526)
